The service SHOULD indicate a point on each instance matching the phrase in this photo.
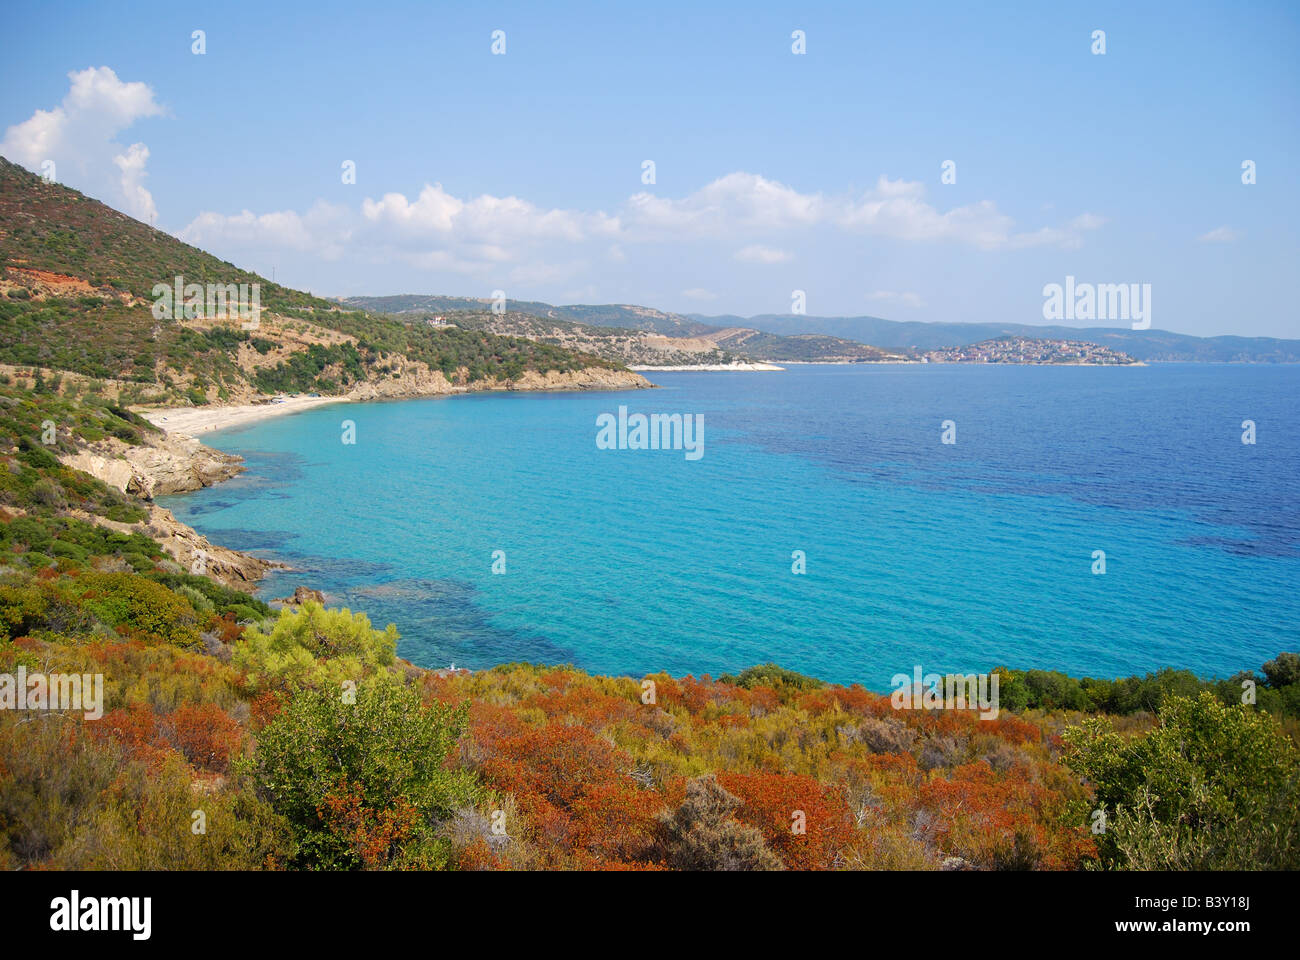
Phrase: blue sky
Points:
(773, 171)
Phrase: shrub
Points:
(206, 735)
(51, 776)
(136, 606)
(315, 646)
(144, 819)
(771, 675)
(703, 833)
(1211, 787)
(805, 823)
(348, 774)
(1283, 671)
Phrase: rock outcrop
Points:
(191, 549)
(300, 596)
(415, 379)
(164, 463)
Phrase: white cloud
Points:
(437, 214)
(1220, 235)
(323, 230)
(889, 296)
(699, 293)
(511, 241)
(897, 209)
(80, 136)
(757, 253)
(746, 202)
(737, 201)
(1088, 221)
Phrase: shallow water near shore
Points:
(956, 557)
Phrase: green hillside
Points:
(77, 295)
(605, 330)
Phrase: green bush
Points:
(142, 607)
(1212, 787)
(364, 783)
(771, 675)
(315, 646)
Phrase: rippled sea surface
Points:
(956, 557)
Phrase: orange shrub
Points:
(376, 836)
(206, 735)
(771, 801)
(265, 707)
(135, 728)
(1002, 822)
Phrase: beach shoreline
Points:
(196, 421)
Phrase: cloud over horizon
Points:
(437, 231)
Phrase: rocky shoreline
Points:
(417, 380)
(174, 462)
(170, 463)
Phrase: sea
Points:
(850, 522)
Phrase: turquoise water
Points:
(956, 557)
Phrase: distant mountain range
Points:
(791, 337)
(1148, 345)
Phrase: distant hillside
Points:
(777, 337)
(606, 315)
(1147, 345)
(77, 295)
(615, 344)
(636, 335)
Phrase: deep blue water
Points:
(956, 557)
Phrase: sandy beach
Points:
(195, 421)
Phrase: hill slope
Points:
(619, 315)
(77, 294)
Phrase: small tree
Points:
(1283, 671)
(366, 783)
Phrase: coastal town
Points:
(1028, 350)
